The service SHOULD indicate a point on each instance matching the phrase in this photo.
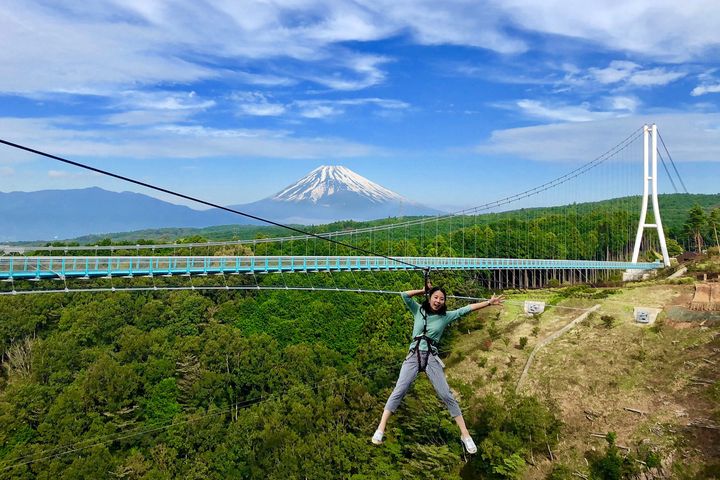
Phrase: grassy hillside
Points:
(600, 374)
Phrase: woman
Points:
(431, 318)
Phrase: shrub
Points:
(508, 430)
(560, 472)
(658, 326)
(493, 330)
(640, 356)
(612, 465)
(608, 321)
(523, 342)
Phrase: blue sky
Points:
(232, 101)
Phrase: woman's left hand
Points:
(496, 300)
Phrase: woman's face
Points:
(437, 300)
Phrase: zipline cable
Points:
(195, 199)
(275, 287)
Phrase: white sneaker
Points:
(377, 437)
(469, 444)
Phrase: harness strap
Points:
(423, 355)
(422, 365)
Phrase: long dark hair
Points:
(426, 302)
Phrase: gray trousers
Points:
(436, 375)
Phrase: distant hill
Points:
(674, 208)
(325, 195)
(61, 214)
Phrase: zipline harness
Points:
(431, 343)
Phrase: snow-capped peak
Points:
(327, 180)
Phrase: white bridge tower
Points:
(650, 174)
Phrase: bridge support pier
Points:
(650, 176)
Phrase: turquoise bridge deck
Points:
(38, 268)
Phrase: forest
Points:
(594, 231)
(279, 384)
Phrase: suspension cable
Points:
(672, 182)
(672, 162)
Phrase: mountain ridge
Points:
(325, 195)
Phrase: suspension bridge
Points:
(539, 240)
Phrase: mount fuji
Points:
(326, 194)
(331, 193)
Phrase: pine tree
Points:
(695, 224)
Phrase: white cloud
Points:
(614, 107)
(654, 77)
(111, 45)
(329, 108)
(150, 108)
(136, 118)
(703, 89)
(708, 83)
(7, 171)
(657, 29)
(319, 111)
(261, 104)
(630, 73)
(263, 109)
(624, 103)
(617, 71)
(365, 72)
(173, 141)
(689, 136)
(257, 104)
(469, 23)
(164, 100)
(565, 113)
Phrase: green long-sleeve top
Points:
(435, 323)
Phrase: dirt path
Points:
(549, 339)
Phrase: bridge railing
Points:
(86, 267)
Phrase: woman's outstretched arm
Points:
(494, 300)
